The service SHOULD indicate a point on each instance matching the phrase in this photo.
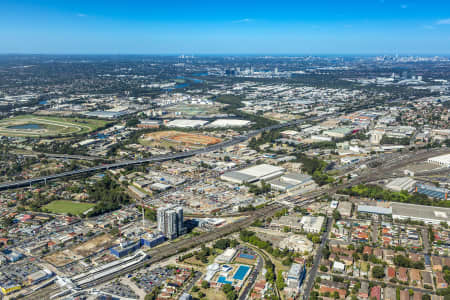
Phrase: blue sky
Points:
(225, 27)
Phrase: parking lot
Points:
(119, 289)
(148, 280)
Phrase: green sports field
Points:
(41, 126)
(66, 207)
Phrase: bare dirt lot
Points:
(78, 252)
(94, 245)
(173, 136)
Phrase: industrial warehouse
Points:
(427, 214)
(253, 174)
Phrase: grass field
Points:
(66, 207)
(192, 110)
(36, 126)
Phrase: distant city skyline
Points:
(372, 27)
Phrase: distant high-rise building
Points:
(275, 70)
(160, 215)
(171, 224)
(170, 221)
(180, 220)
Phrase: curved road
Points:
(178, 155)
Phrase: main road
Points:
(159, 158)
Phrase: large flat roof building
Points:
(401, 184)
(345, 208)
(432, 191)
(223, 123)
(186, 123)
(291, 181)
(427, 214)
(370, 209)
(442, 160)
(253, 174)
(291, 222)
(313, 224)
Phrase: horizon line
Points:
(223, 54)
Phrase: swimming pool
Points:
(223, 280)
(246, 256)
(241, 272)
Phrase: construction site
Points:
(172, 138)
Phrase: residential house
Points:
(378, 253)
(415, 257)
(364, 290)
(338, 267)
(414, 276)
(388, 256)
(390, 272)
(427, 278)
(440, 282)
(404, 295)
(324, 289)
(367, 250)
(402, 274)
(375, 292)
(437, 263)
(390, 293)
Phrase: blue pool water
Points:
(223, 280)
(247, 256)
(241, 272)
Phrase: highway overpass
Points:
(159, 158)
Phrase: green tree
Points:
(378, 272)
(336, 215)
(205, 284)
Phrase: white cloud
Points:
(443, 22)
(81, 15)
(246, 20)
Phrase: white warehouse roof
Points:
(186, 123)
(229, 123)
(252, 174)
(443, 160)
(427, 214)
(401, 184)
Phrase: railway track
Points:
(163, 252)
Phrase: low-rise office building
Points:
(312, 224)
(296, 275)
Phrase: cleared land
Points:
(191, 110)
(280, 117)
(36, 126)
(64, 257)
(66, 207)
(173, 137)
